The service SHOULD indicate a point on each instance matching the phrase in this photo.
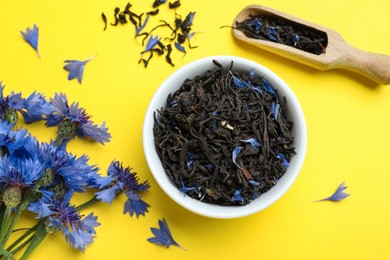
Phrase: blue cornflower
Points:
(78, 231)
(74, 172)
(31, 37)
(32, 109)
(119, 180)
(36, 106)
(73, 120)
(16, 175)
(76, 68)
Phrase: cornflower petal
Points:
(275, 110)
(284, 160)
(180, 47)
(265, 84)
(99, 134)
(240, 83)
(75, 69)
(338, 195)
(151, 43)
(235, 153)
(253, 141)
(31, 37)
(163, 235)
(107, 195)
(237, 197)
(138, 29)
(135, 204)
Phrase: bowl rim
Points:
(171, 84)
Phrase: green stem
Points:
(4, 225)
(36, 239)
(22, 237)
(58, 141)
(6, 254)
(88, 203)
(30, 196)
(22, 245)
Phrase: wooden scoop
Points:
(338, 53)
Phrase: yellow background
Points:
(347, 119)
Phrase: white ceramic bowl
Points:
(174, 82)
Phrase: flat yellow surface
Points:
(348, 121)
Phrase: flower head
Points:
(74, 172)
(31, 37)
(15, 175)
(120, 179)
(62, 216)
(73, 120)
(32, 109)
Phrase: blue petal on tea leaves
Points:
(338, 195)
(180, 47)
(253, 141)
(295, 38)
(257, 89)
(237, 196)
(275, 110)
(252, 73)
(240, 83)
(284, 160)
(235, 153)
(75, 69)
(268, 88)
(163, 235)
(183, 188)
(151, 43)
(142, 26)
(272, 34)
(254, 183)
(255, 24)
(31, 36)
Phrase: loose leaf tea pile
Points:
(283, 31)
(224, 137)
(180, 30)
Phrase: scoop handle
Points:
(374, 66)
